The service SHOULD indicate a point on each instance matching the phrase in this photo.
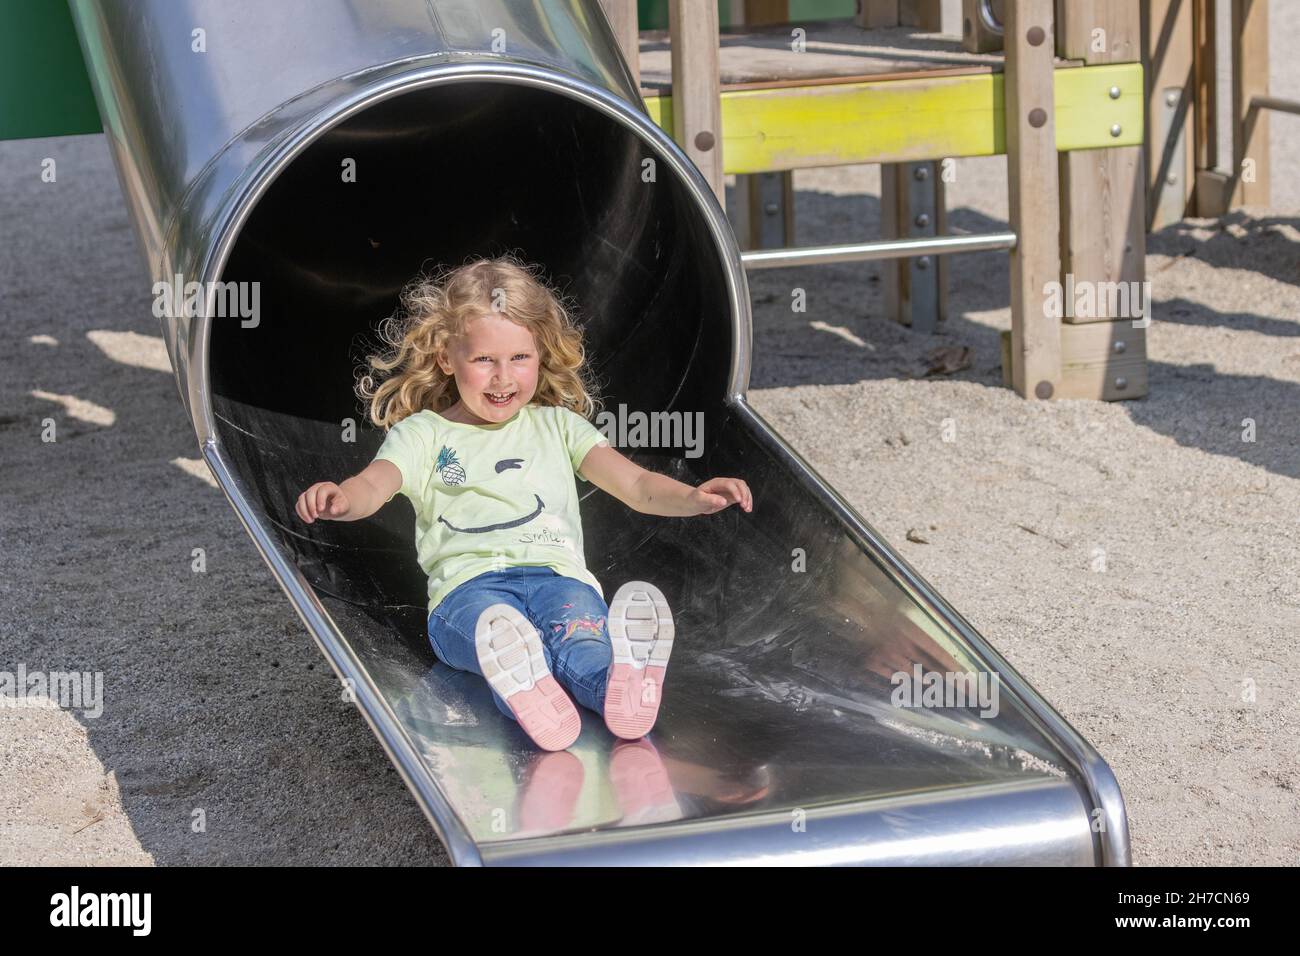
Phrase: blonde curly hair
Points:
(436, 310)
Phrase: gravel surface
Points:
(1135, 561)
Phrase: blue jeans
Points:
(569, 615)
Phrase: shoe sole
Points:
(641, 631)
(510, 655)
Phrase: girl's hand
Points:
(717, 493)
(322, 500)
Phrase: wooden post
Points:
(1099, 31)
(876, 13)
(1211, 188)
(925, 15)
(762, 204)
(1205, 88)
(1170, 149)
(1103, 223)
(976, 37)
(762, 11)
(1103, 252)
(1102, 212)
(1033, 196)
(1103, 235)
(1100, 360)
(623, 20)
(1250, 165)
(697, 97)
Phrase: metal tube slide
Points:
(475, 128)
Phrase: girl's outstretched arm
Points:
(654, 494)
(359, 497)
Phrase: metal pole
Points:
(884, 249)
(1275, 103)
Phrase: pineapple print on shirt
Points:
(448, 465)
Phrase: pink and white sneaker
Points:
(510, 654)
(641, 631)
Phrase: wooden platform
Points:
(789, 96)
(834, 51)
(886, 95)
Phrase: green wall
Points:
(44, 90)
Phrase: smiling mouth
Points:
(504, 524)
(500, 399)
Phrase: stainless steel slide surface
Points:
(477, 128)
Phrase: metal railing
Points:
(883, 249)
(1275, 103)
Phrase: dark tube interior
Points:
(444, 174)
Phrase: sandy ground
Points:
(1135, 561)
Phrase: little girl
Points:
(486, 406)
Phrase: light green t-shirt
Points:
(490, 497)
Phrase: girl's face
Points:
(495, 365)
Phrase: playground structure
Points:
(1066, 110)
(780, 739)
(1099, 149)
(1186, 176)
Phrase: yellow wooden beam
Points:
(894, 121)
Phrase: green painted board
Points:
(44, 89)
(906, 120)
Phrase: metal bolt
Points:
(1120, 347)
(923, 262)
(1121, 383)
(704, 141)
(1114, 92)
(1037, 117)
(1044, 390)
(1171, 99)
(921, 173)
(771, 209)
(922, 220)
(1116, 130)
(1035, 36)
(1171, 179)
